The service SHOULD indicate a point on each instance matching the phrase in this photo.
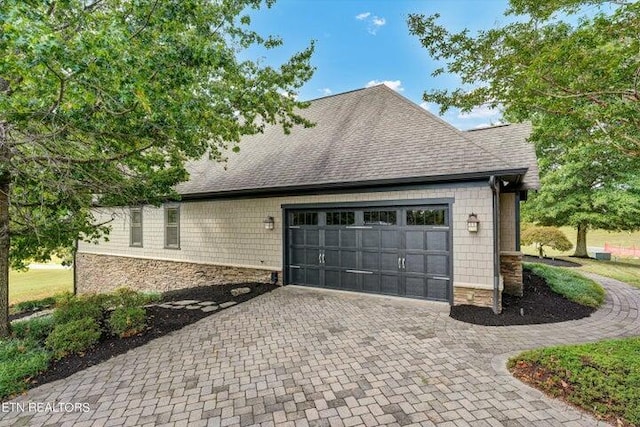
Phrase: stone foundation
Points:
(104, 273)
(474, 296)
(511, 271)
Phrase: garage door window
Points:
(380, 217)
(304, 218)
(426, 217)
(341, 218)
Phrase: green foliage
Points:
(545, 236)
(569, 284)
(74, 336)
(36, 329)
(602, 377)
(126, 297)
(33, 305)
(75, 308)
(126, 321)
(20, 359)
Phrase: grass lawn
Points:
(570, 284)
(601, 378)
(38, 283)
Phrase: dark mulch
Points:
(539, 304)
(160, 321)
(550, 261)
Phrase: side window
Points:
(380, 217)
(172, 227)
(304, 218)
(135, 227)
(427, 216)
(341, 218)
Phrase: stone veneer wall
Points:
(104, 273)
(472, 296)
(511, 271)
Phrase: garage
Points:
(383, 249)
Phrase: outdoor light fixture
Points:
(472, 223)
(268, 223)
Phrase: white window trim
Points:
(166, 226)
(131, 242)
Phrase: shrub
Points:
(33, 305)
(20, 360)
(569, 284)
(127, 321)
(78, 308)
(546, 236)
(73, 337)
(36, 329)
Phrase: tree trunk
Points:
(581, 244)
(5, 181)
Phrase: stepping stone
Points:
(185, 302)
(169, 306)
(240, 291)
(206, 303)
(192, 307)
(227, 304)
(210, 308)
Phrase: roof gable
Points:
(365, 135)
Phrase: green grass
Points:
(625, 270)
(37, 284)
(601, 378)
(20, 359)
(571, 285)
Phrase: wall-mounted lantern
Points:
(268, 223)
(473, 223)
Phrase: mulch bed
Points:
(160, 321)
(539, 304)
(550, 261)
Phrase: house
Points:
(380, 196)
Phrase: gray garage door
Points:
(401, 251)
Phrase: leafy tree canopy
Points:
(575, 76)
(546, 236)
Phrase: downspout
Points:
(495, 188)
(75, 268)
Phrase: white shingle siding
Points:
(231, 232)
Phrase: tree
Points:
(571, 80)
(104, 101)
(586, 187)
(578, 85)
(546, 236)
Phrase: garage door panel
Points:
(313, 276)
(437, 240)
(332, 278)
(332, 258)
(414, 263)
(390, 284)
(349, 280)
(371, 283)
(390, 239)
(415, 286)
(312, 237)
(371, 260)
(438, 289)
(414, 239)
(389, 261)
(297, 236)
(349, 259)
(297, 275)
(348, 238)
(371, 239)
(312, 256)
(297, 256)
(438, 265)
(332, 237)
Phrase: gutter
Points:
(495, 188)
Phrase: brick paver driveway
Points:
(308, 357)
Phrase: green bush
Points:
(127, 321)
(37, 329)
(20, 360)
(571, 285)
(33, 305)
(78, 308)
(73, 336)
(546, 236)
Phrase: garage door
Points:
(402, 251)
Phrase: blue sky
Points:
(359, 43)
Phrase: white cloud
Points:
(326, 91)
(374, 23)
(425, 105)
(393, 84)
(481, 112)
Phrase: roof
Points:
(365, 136)
(511, 139)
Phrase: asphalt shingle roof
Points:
(371, 134)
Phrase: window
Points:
(426, 217)
(135, 227)
(304, 218)
(341, 218)
(172, 227)
(380, 217)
